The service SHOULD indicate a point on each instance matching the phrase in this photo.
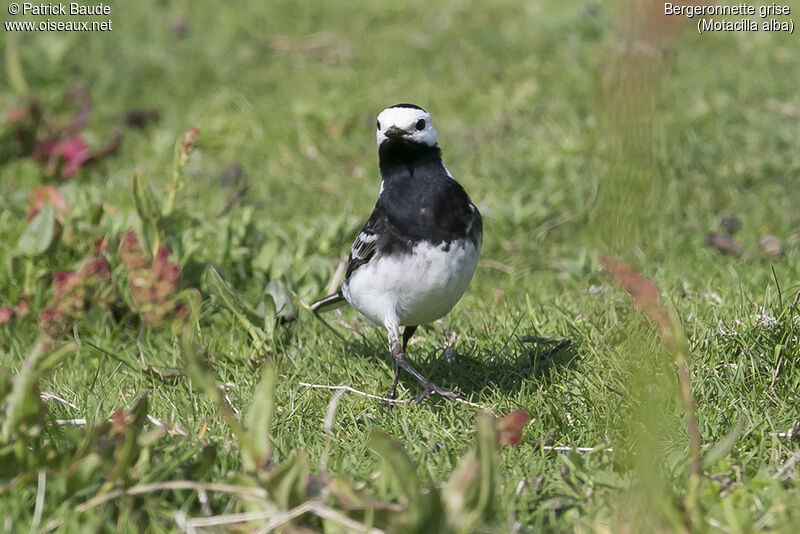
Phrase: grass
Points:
(564, 161)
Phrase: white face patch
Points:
(413, 124)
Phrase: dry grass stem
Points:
(46, 395)
(385, 399)
(574, 449)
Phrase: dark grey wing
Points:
(362, 251)
(365, 246)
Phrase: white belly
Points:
(413, 289)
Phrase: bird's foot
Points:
(429, 388)
(390, 396)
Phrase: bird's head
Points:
(406, 123)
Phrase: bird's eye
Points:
(420, 124)
(379, 125)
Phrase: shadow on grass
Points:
(502, 367)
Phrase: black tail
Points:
(329, 303)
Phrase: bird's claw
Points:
(430, 388)
(388, 399)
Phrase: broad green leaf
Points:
(721, 449)
(432, 515)
(286, 485)
(40, 232)
(145, 201)
(461, 492)
(470, 493)
(387, 516)
(90, 444)
(284, 305)
(148, 438)
(259, 421)
(397, 470)
(23, 401)
(82, 472)
(251, 503)
(266, 255)
(204, 461)
(268, 311)
(247, 317)
(349, 498)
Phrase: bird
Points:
(416, 254)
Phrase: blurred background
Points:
(532, 99)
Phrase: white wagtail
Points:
(417, 253)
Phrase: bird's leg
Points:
(407, 333)
(398, 356)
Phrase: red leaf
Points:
(62, 280)
(119, 423)
(75, 153)
(5, 315)
(130, 242)
(190, 139)
(22, 304)
(44, 195)
(645, 294)
(510, 427)
(154, 282)
(97, 267)
(50, 317)
(100, 245)
(162, 255)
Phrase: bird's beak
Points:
(395, 133)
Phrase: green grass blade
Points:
(259, 421)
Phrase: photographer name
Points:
(73, 9)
